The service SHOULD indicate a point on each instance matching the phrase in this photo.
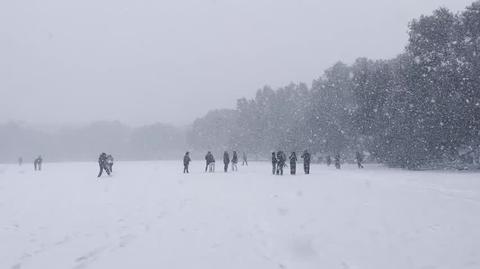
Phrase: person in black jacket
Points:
(281, 159)
(226, 161)
(274, 163)
(234, 161)
(306, 161)
(293, 163)
(186, 162)
(102, 163)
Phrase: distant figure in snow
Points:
(281, 159)
(20, 161)
(226, 161)
(359, 158)
(102, 163)
(37, 163)
(244, 157)
(293, 163)
(337, 161)
(306, 161)
(234, 161)
(329, 160)
(186, 162)
(274, 163)
(210, 162)
(110, 163)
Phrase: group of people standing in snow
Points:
(106, 163)
(210, 161)
(279, 160)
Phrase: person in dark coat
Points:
(337, 161)
(226, 161)
(210, 162)
(244, 157)
(306, 161)
(37, 163)
(281, 159)
(20, 161)
(359, 158)
(329, 160)
(274, 163)
(186, 162)
(293, 163)
(102, 163)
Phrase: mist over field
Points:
(266, 134)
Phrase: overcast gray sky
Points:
(143, 61)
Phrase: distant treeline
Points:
(153, 142)
(420, 108)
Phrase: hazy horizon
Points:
(146, 61)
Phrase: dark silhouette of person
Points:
(281, 159)
(244, 157)
(306, 156)
(226, 161)
(186, 162)
(359, 158)
(20, 161)
(234, 161)
(293, 163)
(210, 162)
(37, 163)
(102, 163)
(274, 163)
(337, 161)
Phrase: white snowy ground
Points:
(150, 215)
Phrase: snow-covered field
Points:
(150, 215)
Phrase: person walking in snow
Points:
(110, 163)
(281, 159)
(37, 163)
(359, 159)
(274, 163)
(102, 163)
(337, 161)
(293, 163)
(226, 161)
(186, 162)
(244, 157)
(306, 161)
(234, 161)
(20, 161)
